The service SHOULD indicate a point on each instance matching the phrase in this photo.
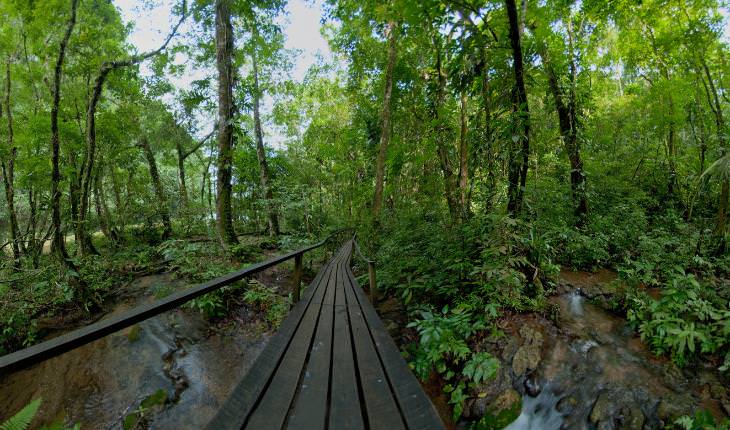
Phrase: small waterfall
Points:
(576, 303)
(538, 413)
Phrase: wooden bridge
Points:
(331, 365)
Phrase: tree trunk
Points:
(102, 209)
(181, 175)
(226, 109)
(386, 126)
(58, 244)
(521, 119)
(439, 131)
(8, 167)
(103, 221)
(464, 160)
(260, 149)
(567, 110)
(164, 210)
(720, 227)
(487, 100)
(87, 164)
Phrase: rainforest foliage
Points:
(477, 146)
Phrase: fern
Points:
(22, 419)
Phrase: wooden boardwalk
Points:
(332, 365)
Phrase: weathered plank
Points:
(345, 405)
(380, 406)
(332, 365)
(241, 403)
(272, 410)
(310, 408)
(416, 407)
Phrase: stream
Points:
(593, 372)
(170, 371)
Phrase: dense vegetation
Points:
(478, 146)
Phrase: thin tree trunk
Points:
(103, 220)
(720, 227)
(439, 130)
(113, 228)
(119, 208)
(260, 149)
(164, 209)
(58, 244)
(464, 159)
(386, 125)
(87, 165)
(181, 175)
(566, 107)
(487, 100)
(521, 121)
(8, 167)
(226, 109)
(183, 155)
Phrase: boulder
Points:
(602, 409)
(566, 405)
(633, 418)
(528, 355)
(505, 401)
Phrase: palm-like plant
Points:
(720, 171)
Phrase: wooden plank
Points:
(417, 409)
(345, 405)
(273, 408)
(242, 401)
(66, 342)
(311, 403)
(380, 406)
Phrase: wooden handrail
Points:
(43, 351)
(371, 271)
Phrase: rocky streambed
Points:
(172, 371)
(586, 369)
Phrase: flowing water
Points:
(177, 356)
(539, 413)
(596, 373)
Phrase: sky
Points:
(301, 25)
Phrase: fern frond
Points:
(21, 420)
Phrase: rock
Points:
(510, 349)
(532, 385)
(392, 328)
(670, 408)
(528, 355)
(674, 375)
(602, 409)
(530, 335)
(477, 408)
(566, 405)
(485, 394)
(606, 425)
(717, 391)
(633, 418)
(390, 308)
(505, 401)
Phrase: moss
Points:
(138, 418)
(133, 335)
(491, 421)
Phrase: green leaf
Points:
(21, 420)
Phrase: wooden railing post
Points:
(373, 283)
(297, 278)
